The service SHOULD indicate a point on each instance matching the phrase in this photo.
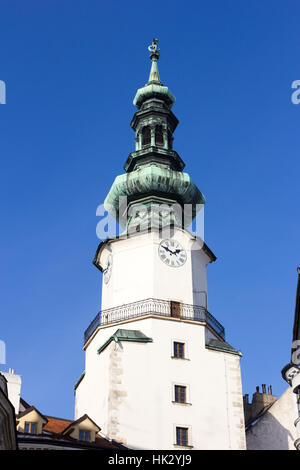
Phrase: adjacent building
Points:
(24, 427)
(271, 423)
(36, 431)
(8, 436)
(291, 372)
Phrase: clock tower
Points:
(158, 371)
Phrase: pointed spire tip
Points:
(154, 56)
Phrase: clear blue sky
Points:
(72, 69)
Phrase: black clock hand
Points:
(166, 248)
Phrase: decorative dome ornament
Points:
(154, 52)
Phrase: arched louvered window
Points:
(159, 138)
(146, 136)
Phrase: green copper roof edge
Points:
(154, 153)
(79, 380)
(117, 338)
(151, 178)
(153, 89)
(224, 349)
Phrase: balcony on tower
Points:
(155, 308)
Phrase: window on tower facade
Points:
(159, 137)
(179, 351)
(182, 436)
(146, 136)
(180, 394)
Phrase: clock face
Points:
(172, 253)
(108, 269)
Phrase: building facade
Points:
(8, 435)
(273, 426)
(158, 371)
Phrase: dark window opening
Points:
(146, 136)
(159, 137)
(182, 436)
(180, 394)
(179, 350)
(170, 141)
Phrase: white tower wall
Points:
(129, 387)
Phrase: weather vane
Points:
(154, 51)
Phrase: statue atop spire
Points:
(154, 56)
(154, 52)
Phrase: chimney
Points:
(13, 388)
(260, 402)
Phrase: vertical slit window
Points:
(170, 141)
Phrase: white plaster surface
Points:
(128, 388)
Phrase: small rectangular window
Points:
(181, 436)
(179, 350)
(84, 435)
(180, 394)
(30, 428)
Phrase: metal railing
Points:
(158, 307)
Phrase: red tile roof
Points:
(53, 431)
(56, 425)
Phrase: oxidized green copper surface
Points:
(151, 180)
(126, 335)
(154, 171)
(154, 91)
